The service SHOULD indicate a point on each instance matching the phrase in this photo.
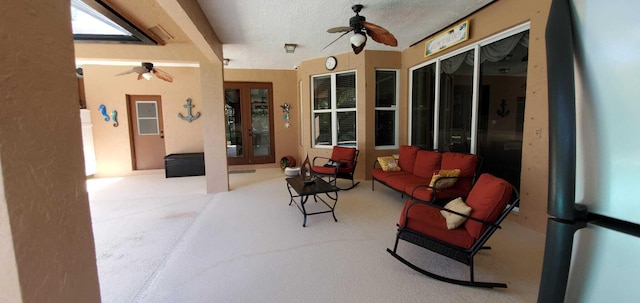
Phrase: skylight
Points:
(94, 21)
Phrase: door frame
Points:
(247, 139)
(132, 123)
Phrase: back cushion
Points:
(343, 154)
(487, 200)
(467, 164)
(427, 162)
(407, 158)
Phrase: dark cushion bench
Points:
(183, 165)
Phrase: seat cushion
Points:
(427, 220)
(407, 159)
(382, 176)
(427, 162)
(402, 182)
(487, 200)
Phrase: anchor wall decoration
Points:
(503, 111)
(189, 117)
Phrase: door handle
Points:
(161, 134)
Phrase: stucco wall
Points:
(41, 156)
(112, 144)
(495, 18)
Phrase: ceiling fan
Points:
(146, 70)
(360, 27)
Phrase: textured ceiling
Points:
(253, 32)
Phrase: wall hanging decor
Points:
(189, 116)
(285, 109)
(114, 117)
(103, 111)
(503, 111)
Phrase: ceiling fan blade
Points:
(336, 39)
(137, 69)
(162, 75)
(139, 76)
(339, 29)
(379, 34)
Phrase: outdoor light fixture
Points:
(225, 61)
(290, 47)
(357, 39)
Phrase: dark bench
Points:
(183, 165)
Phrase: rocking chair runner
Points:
(422, 224)
(341, 165)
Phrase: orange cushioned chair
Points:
(424, 224)
(341, 165)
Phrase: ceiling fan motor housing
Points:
(147, 65)
(356, 22)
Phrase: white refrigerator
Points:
(592, 250)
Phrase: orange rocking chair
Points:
(464, 231)
(341, 165)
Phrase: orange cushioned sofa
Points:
(416, 168)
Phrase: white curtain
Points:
(493, 52)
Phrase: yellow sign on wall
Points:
(457, 34)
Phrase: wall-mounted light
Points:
(290, 47)
(225, 61)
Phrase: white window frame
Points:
(157, 118)
(393, 108)
(476, 83)
(333, 110)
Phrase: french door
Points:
(249, 123)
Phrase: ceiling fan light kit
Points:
(359, 26)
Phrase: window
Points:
(423, 96)
(94, 21)
(473, 101)
(386, 116)
(334, 110)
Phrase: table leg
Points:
(303, 200)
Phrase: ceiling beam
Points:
(190, 18)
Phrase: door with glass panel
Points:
(249, 123)
(453, 112)
(147, 132)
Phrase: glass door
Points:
(249, 122)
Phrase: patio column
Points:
(47, 251)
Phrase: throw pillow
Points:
(388, 163)
(332, 163)
(447, 182)
(453, 220)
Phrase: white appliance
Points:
(593, 232)
(90, 165)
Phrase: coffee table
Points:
(303, 190)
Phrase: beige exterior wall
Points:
(493, 19)
(112, 144)
(41, 156)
